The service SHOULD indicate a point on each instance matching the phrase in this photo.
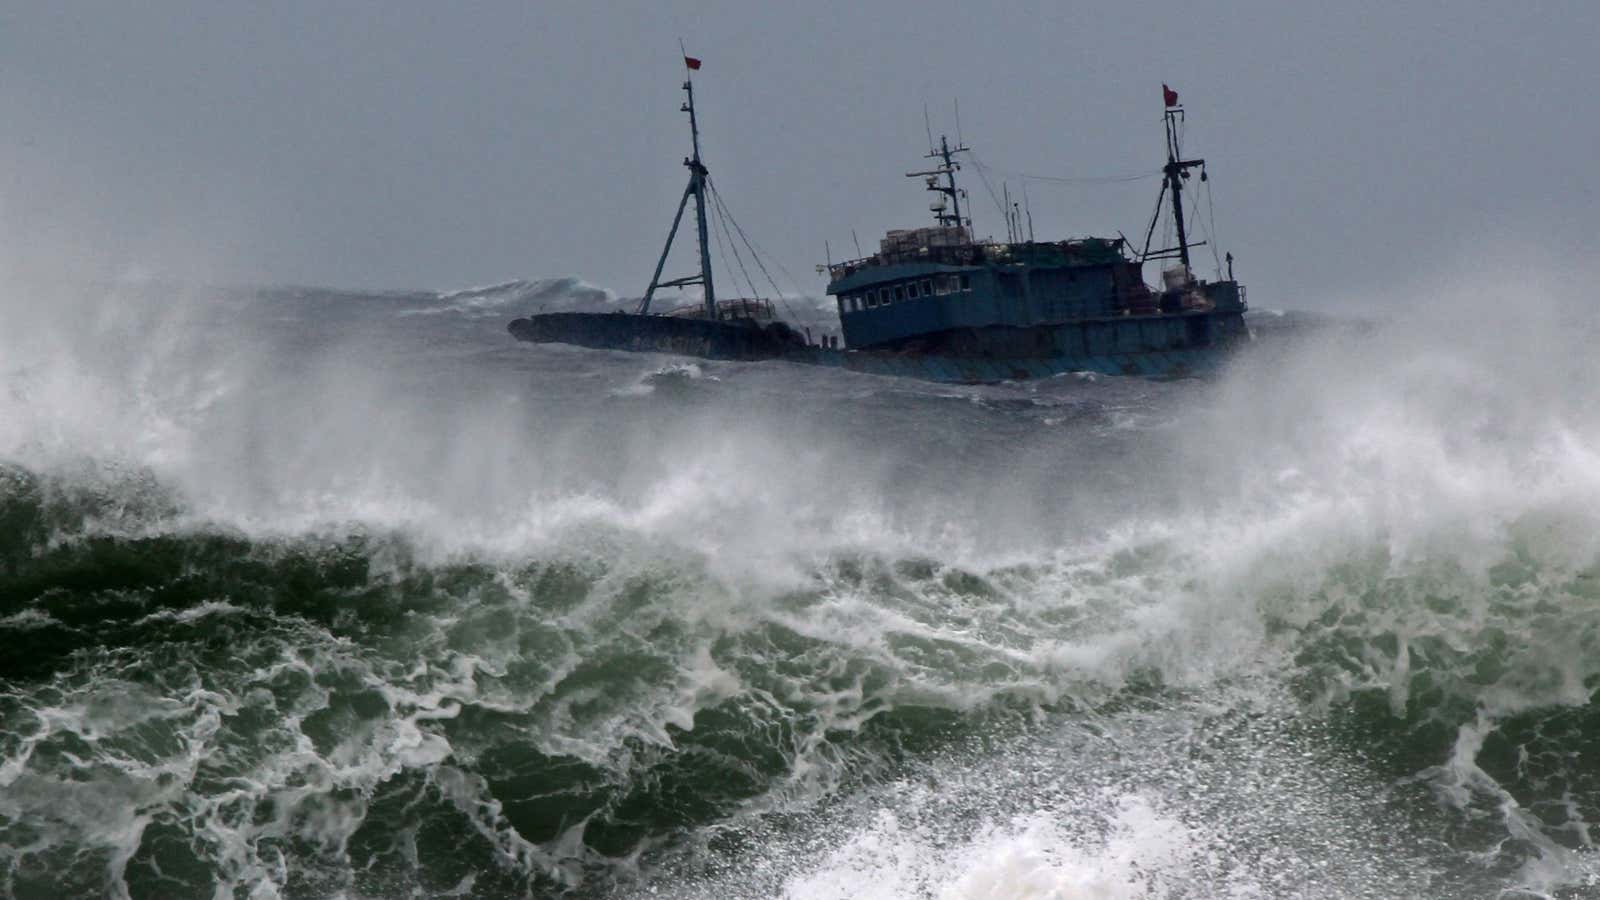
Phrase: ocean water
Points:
(319, 594)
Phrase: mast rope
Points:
(1004, 213)
(1107, 179)
(722, 251)
(727, 216)
(1066, 179)
(1211, 232)
(722, 220)
(793, 282)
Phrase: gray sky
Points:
(401, 145)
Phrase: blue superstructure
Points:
(936, 293)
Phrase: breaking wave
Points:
(349, 602)
(524, 296)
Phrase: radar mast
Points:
(946, 170)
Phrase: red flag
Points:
(693, 63)
(1169, 95)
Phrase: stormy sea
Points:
(317, 594)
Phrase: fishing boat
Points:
(936, 303)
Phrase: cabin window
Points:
(883, 296)
(872, 299)
(941, 286)
(927, 288)
(911, 291)
(966, 282)
(899, 292)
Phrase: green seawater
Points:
(343, 596)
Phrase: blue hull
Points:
(1180, 363)
(1161, 346)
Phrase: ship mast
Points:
(1176, 172)
(947, 170)
(697, 190)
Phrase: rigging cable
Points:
(721, 252)
(722, 220)
(727, 217)
(1194, 213)
(978, 164)
(1065, 179)
(757, 252)
(1211, 213)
